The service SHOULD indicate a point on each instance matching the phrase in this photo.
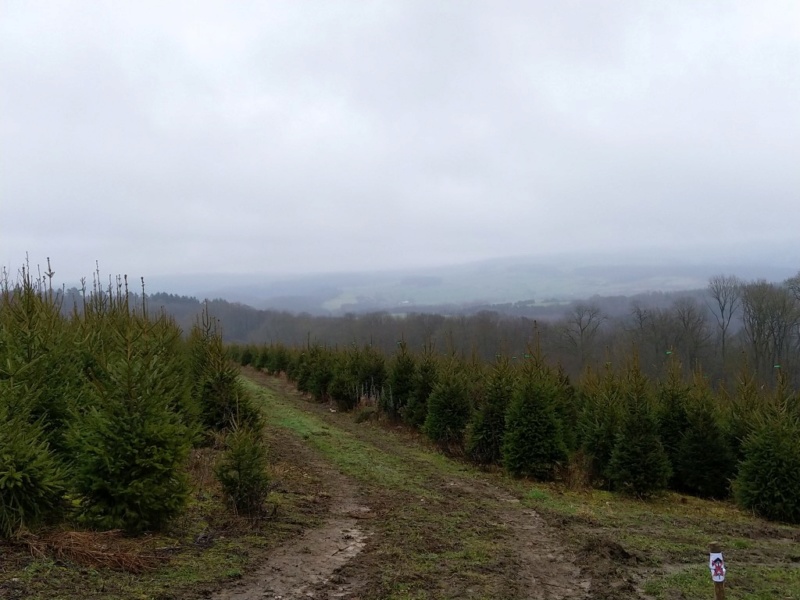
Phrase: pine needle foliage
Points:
(568, 409)
(673, 401)
(401, 382)
(768, 482)
(38, 385)
(242, 470)
(132, 443)
(32, 482)
(425, 379)
(278, 360)
(487, 430)
(342, 387)
(704, 464)
(601, 415)
(533, 444)
(639, 465)
(368, 368)
(216, 389)
(37, 350)
(321, 364)
(448, 408)
(742, 410)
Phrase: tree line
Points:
(614, 427)
(718, 329)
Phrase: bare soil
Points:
(305, 566)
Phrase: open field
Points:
(366, 510)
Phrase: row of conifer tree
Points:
(614, 429)
(100, 408)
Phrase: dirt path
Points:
(357, 550)
(306, 567)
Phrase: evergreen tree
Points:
(222, 397)
(448, 408)
(600, 420)
(533, 443)
(485, 439)
(768, 482)
(278, 361)
(568, 409)
(425, 380)
(639, 466)
(247, 356)
(321, 369)
(261, 358)
(401, 382)
(32, 482)
(342, 387)
(242, 470)
(704, 464)
(742, 410)
(368, 369)
(216, 392)
(131, 444)
(38, 350)
(673, 397)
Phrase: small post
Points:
(717, 565)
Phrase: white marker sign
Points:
(717, 565)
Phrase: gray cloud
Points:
(165, 137)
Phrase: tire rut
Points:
(308, 566)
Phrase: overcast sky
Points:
(170, 137)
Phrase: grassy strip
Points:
(352, 456)
(406, 468)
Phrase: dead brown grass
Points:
(104, 549)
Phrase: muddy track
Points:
(307, 566)
(338, 559)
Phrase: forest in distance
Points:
(720, 329)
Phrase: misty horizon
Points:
(313, 137)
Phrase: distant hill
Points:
(526, 280)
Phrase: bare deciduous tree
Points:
(692, 331)
(580, 328)
(726, 292)
(770, 315)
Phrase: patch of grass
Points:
(694, 582)
(672, 533)
(352, 456)
(747, 582)
(537, 495)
